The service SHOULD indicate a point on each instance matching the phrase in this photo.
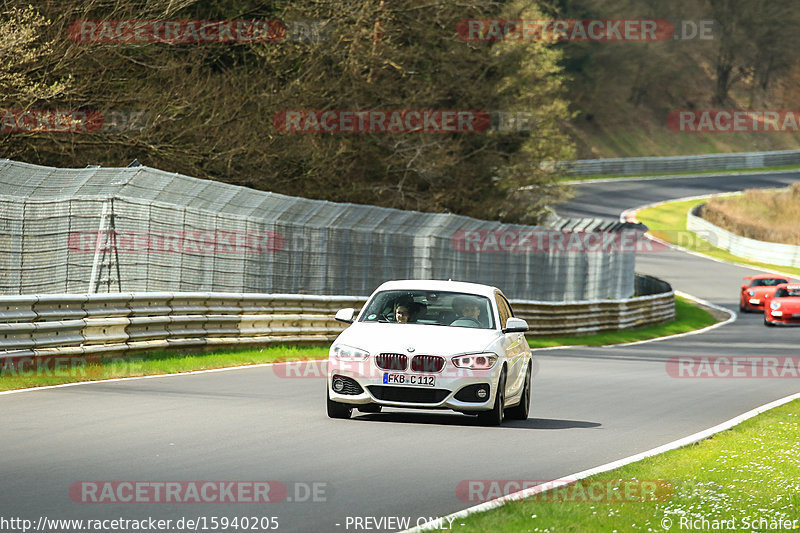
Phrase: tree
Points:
(210, 108)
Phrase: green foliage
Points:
(209, 108)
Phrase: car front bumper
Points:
(442, 395)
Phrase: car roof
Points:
(438, 285)
(790, 286)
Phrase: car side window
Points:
(504, 310)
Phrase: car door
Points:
(515, 347)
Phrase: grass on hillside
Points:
(688, 317)
(742, 476)
(763, 215)
(19, 374)
(668, 222)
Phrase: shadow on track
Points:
(456, 419)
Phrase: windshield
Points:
(788, 291)
(430, 307)
(767, 282)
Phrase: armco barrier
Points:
(690, 163)
(763, 252)
(71, 324)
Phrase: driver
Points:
(406, 311)
(467, 308)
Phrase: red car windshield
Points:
(782, 293)
(768, 282)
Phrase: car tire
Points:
(521, 411)
(494, 417)
(768, 323)
(338, 410)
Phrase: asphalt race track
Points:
(590, 406)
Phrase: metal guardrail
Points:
(71, 324)
(761, 251)
(653, 165)
(101, 324)
(655, 304)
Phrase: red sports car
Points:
(784, 306)
(756, 289)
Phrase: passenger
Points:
(467, 308)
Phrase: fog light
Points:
(481, 393)
(338, 384)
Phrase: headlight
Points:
(751, 293)
(477, 361)
(343, 352)
(774, 305)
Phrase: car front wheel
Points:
(520, 412)
(338, 410)
(494, 417)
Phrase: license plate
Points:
(408, 379)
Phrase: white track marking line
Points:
(685, 441)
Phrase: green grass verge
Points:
(748, 473)
(678, 174)
(76, 369)
(668, 222)
(688, 317)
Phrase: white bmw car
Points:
(432, 345)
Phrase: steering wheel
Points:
(468, 318)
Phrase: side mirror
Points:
(345, 315)
(744, 286)
(515, 325)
